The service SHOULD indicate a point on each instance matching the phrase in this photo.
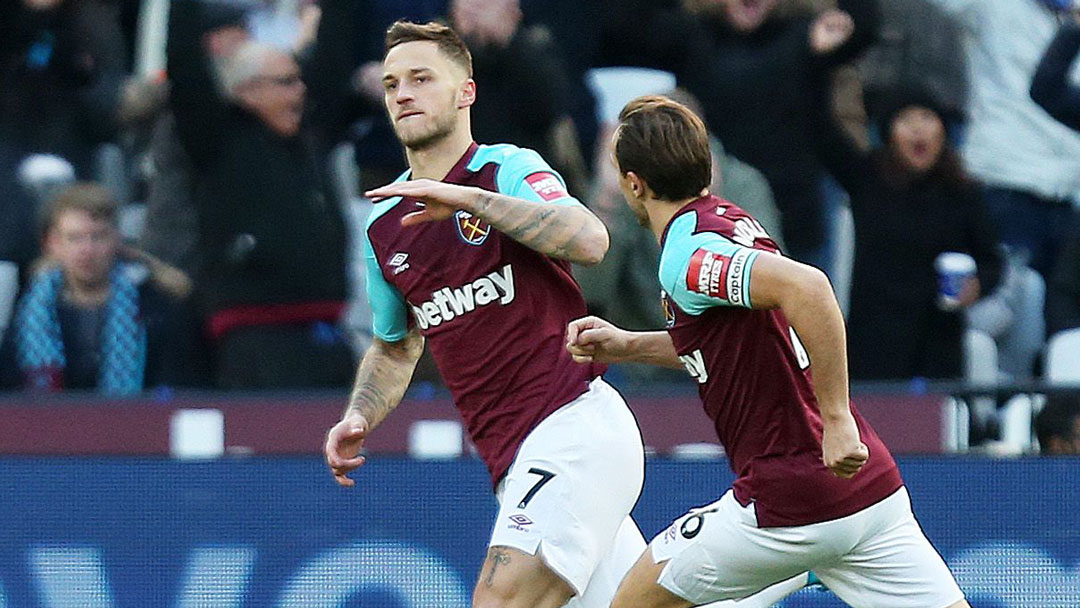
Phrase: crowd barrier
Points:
(277, 532)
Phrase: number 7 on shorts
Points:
(545, 476)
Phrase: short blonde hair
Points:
(88, 197)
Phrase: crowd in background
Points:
(180, 179)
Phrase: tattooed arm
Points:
(381, 381)
(569, 232)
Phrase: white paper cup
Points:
(953, 271)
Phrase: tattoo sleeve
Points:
(567, 232)
(384, 375)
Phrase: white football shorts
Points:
(876, 557)
(569, 492)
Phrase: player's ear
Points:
(467, 94)
(637, 185)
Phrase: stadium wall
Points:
(268, 532)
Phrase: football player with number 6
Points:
(816, 489)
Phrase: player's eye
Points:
(390, 86)
(422, 79)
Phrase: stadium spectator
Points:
(910, 202)
(752, 67)
(1063, 286)
(1058, 425)
(91, 319)
(1029, 163)
(526, 96)
(919, 44)
(1050, 87)
(63, 81)
(171, 227)
(816, 487)
(272, 285)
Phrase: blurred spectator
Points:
(526, 85)
(1050, 88)
(1058, 425)
(910, 201)
(272, 285)
(18, 213)
(752, 67)
(1063, 286)
(171, 229)
(1014, 316)
(63, 82)
(1029, 162)
(89, 320)
(919, 43)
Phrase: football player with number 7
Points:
(763, 336)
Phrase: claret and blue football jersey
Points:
(754, 375)
(494, 312)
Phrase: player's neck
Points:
(660, 212)
(435, 161)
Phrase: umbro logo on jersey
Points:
(472, 230)
(398, 262)
(449, 302)
(519, 522)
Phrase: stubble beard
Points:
(440, 130)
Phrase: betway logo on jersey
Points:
(447, 303)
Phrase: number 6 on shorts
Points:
(545, 476)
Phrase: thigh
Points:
(893, 565)
(571, 487)
(718, 553)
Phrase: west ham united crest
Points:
(472, 230)
(669, 310)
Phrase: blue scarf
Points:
(39, 346)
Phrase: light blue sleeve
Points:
(389, 313)
(516, 168)
(706, 269)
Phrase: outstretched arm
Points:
(381, 381)
(1051, 88)
(592, 339)
(569, 232)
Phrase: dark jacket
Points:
(270, 228)
(61, 73)
(1063, 287)
(524, 90)
(1050, 88)
(902, 222)
(757, 94)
